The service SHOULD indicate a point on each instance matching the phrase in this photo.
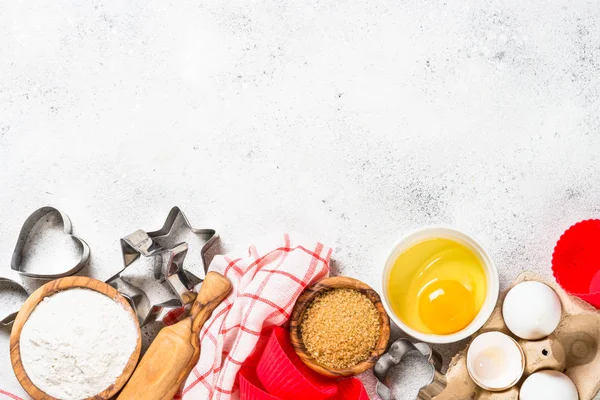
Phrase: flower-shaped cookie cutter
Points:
(25, 233)
(394, 356)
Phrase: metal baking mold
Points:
(30, 222)
(158, 244)
(8, 285)
(173, 272)
(168, 237)
(394, 356)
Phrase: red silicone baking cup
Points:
(351, 389)
(284, 375)
(576, 261)
(250, 386)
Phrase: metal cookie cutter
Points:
(394, 356)
(12, 297)
(161, 245)
(172, 271)
(173, 231)
(62, 219)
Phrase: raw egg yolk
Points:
(446, 307)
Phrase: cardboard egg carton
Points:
(572, 349)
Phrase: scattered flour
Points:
(48, 249)
(76, 343)
(406, 379)
(11, 298)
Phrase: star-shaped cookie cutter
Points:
(167, 237)
(393, 357)
(159, 245)
(178, 283)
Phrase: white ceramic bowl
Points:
(491, 274)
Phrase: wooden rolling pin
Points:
(176, 349)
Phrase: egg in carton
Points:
(572, 349)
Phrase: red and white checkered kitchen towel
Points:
(5, 394)
(266, 285)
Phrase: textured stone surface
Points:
(353, 121)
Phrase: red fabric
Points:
(351, 389)
(10, 395)
(266, 285)
(174, 316)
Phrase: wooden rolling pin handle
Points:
(176, 349)
(213, 291)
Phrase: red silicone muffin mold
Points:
(284, 375)
(351, 389)
(576, 261)
(250, 386)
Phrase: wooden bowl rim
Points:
(49, 289)
(306, 298)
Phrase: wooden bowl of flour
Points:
(20, 356)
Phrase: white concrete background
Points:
(352, 121)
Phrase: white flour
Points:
(410, 376)
(48, 250)
(76, 343)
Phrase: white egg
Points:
(531, 310)
(495, 361)
(548, 385)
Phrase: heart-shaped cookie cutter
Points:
(393, 357)
(158, 245)
(8, 315)
(24, 234)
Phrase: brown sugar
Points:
(340, 328)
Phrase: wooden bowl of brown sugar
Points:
(339, 327)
